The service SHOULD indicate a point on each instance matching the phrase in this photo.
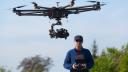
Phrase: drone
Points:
(57, 13)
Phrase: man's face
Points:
(78, 43)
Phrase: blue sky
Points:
(22, 37)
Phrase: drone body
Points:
(57, 13)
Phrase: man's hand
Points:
(74, 66)
(83, 66)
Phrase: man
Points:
(78, 59)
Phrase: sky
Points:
(23, 36)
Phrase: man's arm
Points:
(67, 61)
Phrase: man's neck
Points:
(78, 48)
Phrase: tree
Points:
(115, 55)
(123, 63)
(36, 64)
(103, 63)
(94, 49)
(2, 69)
(107, 61)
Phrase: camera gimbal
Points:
(58, 33)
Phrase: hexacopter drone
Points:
(57, 13)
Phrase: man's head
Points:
(78, 41)
(78, 38)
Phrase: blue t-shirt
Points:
(72, 54)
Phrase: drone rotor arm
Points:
(40, 8)
(31, 12)
(85, 10)
(76, 11)
(80, 7)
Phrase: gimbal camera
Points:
(58, 33)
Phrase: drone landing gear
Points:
(58, 33)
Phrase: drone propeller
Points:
(99, 3)
(93, 1)
(36, 6)
(20, 6)
(34, 3)
(102, 4)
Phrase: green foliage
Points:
(123, 64)
(35, 64)
(113, 60)
(103, 64)
(2, 69)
